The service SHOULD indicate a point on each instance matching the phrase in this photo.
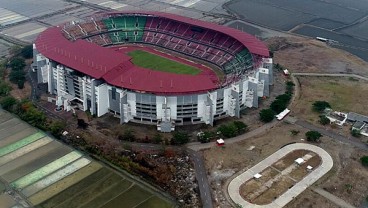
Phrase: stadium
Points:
(153, 68)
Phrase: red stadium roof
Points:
(116, 69)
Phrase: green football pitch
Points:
(158, 63)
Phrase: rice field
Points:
(51, 174)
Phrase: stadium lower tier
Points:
(75, 90)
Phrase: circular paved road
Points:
(234, 185)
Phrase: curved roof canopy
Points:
(116, 69)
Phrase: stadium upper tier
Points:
(231, 50)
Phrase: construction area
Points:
(36, 170)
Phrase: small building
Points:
(257, 176)
(336, 117)
(299, 161)
(220, 142)
(360, 122)
(286, 72)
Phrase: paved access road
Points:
(201, 175)
(330, 75)
(332, 134)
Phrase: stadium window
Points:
(113, 93)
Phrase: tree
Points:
(8, 102)
(228, 131)
(20, 84)
(17, 63)
(323, 120)
(27, 52)
(278, 106)
(355, 133)
(180, 137)
(289, 87)
(17, 77)
(266, 115)
(313, 136)
(280, 103)
(364, 161)
(320, 106)
(241, 127)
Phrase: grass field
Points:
(342, 93)
(158, 63)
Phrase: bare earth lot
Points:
(306, 55)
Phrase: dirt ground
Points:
(223, 163)
(306, 55)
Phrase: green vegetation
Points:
(294, 132)
(157, 139)
(233, 129)
(364, 161)
(323, 120)
(266, 115)
(158, 63)
(206, 136)
(281, 102)
(313, 136)
(17, 74)
(320, 106)
(355, 133)
(180, 137)
(8, 102)
(27, 52)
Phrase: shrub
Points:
(323, 120)
(289, 87)
(4, 89)
(8, 102)
(228, 131)
(157, 139)
(82, 124)
(364, 161)
(266, 115)
(56, 128)
(294, 132)
(313, 136)
(128, 135)
(241, 127)
(206, 136)
(320, 106)
(355, 133)
(180, 138)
